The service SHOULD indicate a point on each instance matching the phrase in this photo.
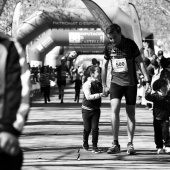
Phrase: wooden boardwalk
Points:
(52, 138)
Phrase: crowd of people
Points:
(133, 75)
(157, 66)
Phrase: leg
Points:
(78, 96)
(59, 88)
(87, 127)
(75, 95)
(62, 93)
(158, 133)
(165, 133)
(45, 94)
(130, 96)
(116, 93)
(115, 120)
(48, 93)
(63, 84)
(131, 122)
(95, 127)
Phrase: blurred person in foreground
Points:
(14, 103)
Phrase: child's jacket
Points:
(161, 105)
(92, 89)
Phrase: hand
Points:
(106, 91)
(9, 143)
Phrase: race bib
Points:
(119, 65)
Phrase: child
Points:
(78, 84)
(92, 89)
(161, 114)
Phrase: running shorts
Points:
(130, 93)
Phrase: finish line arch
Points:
(57, 21)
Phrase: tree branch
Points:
(165, 11)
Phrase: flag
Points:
(16, 18)
(99, 15)
(2, 4)
(136, 27)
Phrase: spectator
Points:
(45, 83)
(78, 85)
(62, 71)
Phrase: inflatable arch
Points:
(63, 29)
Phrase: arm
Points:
(143, 70)
(87, 92)
(104, 76)
(104, 71)
(151, 97)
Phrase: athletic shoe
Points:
(114, 149)
(95, 150)
(161, 151)
(130, 149)
(167, 150)
(86, 146)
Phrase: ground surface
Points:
(52, 138)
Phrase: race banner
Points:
(16, 18)
(2, 4)
(98, 14)
(75, 24)
(136, 27)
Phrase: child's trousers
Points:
(91, 123)
(161, 129)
